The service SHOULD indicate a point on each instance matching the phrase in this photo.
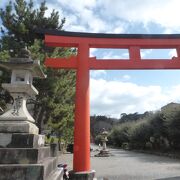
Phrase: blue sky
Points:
(116, 92)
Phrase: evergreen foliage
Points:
(55, 103)
(98, 123)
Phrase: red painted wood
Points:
(81, 156)
(66, 63)
(64, 41)
(134, 53)
(118, 64)
(130, 64)
(178, 51)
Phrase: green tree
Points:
(120, 134)
(172, 123)
(20, 21)
(140, 134)
(98, 139)
(55, 103)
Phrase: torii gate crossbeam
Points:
(83, 64)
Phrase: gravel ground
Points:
(127, 165)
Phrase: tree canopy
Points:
(55, 103)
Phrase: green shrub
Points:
(125, 146)
(148, 145)
(120, 135)
(98, 139)
(139, 134)
(172, 123)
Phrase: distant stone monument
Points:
(104, 152)
(104, 138)
(23, 155)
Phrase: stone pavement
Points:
(127, 165)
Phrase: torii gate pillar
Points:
(83, 64)
(82, 115)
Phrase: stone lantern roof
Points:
(24, 61)
(104, 132)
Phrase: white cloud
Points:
(50, 9)
(118, 30)
(81, 16)
(112, 17)
(163, 12)
(75, 28)
(172, 53)
(174, 91)
(92, 52)
(126, 77)
(145, 53)
(84, 16)
(115, 17)
(114, 97)
(78, 5)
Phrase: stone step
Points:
(50, 164)
(21, 140)
(23, 155)
(56, 175)
(28, 171)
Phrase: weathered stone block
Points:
(18, 127)
(57, 174)
(50, 164)
(17, 140)
(22, 172)
(28, 171)
(23, 155)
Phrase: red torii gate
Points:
(83, 64)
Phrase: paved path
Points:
(127, 165)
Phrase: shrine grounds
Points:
(128, 165)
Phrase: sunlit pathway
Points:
(125, 165)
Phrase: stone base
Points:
(21, 172)
(23, 155)
(85, 175)
(18, 127)
(103, 153)
(29, 164)
(18, 140)
(56, 174)
(39, 171)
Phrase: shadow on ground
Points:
(170, 178)
(146, 158)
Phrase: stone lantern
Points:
(23, 69)
(22, 151)
(104, 135)
(104, 152)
